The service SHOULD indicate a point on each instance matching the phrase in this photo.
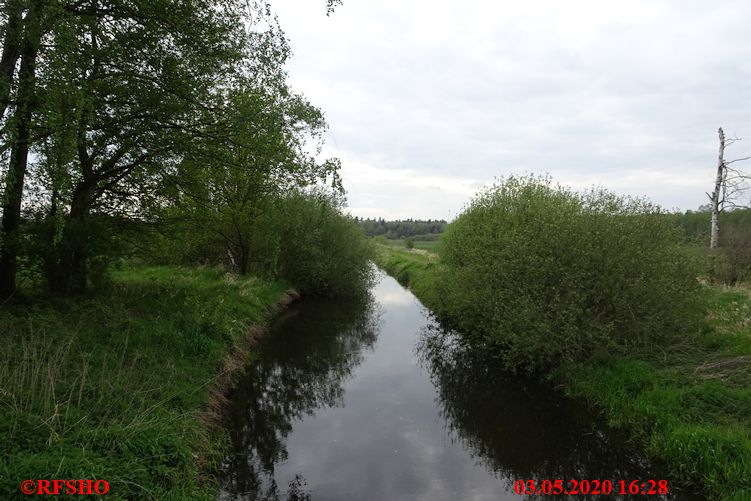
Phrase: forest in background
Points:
(416, 229)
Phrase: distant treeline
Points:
(416, 229)
(697, 224)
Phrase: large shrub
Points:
(305, 238)
(547, 274)
(302, 236)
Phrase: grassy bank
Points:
(410, 267)
(687, 404)
(115, 386)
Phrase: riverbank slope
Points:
(687, 405)
(123, 385)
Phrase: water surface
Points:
(373, 400)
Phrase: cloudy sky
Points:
(428, 100)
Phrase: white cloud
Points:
(427, 100)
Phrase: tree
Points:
(23, 37)
(11, 50)
(109, 95)
(141, 85)
(121, 76)
(729, 185)
(256, 152)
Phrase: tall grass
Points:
(111, 387)
(689, 402)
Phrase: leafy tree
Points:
(23, 32)
(113, 97)
(256, 154)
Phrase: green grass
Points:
(412, 269)
(686, 404)
(431, 246)
(112, 386)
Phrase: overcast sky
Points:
(428, 100)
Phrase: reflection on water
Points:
(373, 400)
(306, 357)
(517, 427)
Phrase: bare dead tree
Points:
(730, 186)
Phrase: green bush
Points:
(308, 241)
(734, 263)
(545, 274)
(409, 244)
(300, 236)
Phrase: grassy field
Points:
(687, 404)
(431, 246)
(115, 386)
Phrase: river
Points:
(373, 400)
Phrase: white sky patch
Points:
(394, 193)
(429, 99)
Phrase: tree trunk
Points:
(69, 275)
(11, 43)
(13, 193)
(715, 198)
(244, 260)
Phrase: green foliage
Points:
(417, 229)
(697, 224)
(688, 403)
(734, 263)
(314, 246)
(731, 262)
(231, 180)
(110, 387)
(417, 271)
(409, 244)
(121, 91)
(154, 109)
(301, 236)
(546, 275)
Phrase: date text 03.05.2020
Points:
(594, 487)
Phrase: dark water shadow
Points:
(520, 428)
(303, 362)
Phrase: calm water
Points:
(373, 400)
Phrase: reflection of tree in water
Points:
(302, 366)
(515, 427)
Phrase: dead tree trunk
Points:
(716, 194)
